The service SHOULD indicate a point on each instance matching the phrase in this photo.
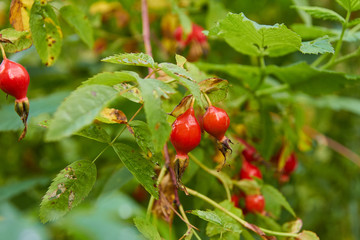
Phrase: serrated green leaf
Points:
(208, 215)
(270, 192)
(322, 13)
(147, 229)
(152, 90)
(354, 22)
(184, 77)
(19, 40)
(10, 190)
(78, 20)
(350, 5)
(67, 190)
(304, 78)
(135, 59)
(46, 32)
(94, 132)
(253, 39)
(320, 45)
(141, 168)
(215, 88)
(79, 110)
(142, 135)
(110, 78)
(42, 105)
(307, 235)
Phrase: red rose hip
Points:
(290, 164)
(255, 203)
(249, 171)
(216, 122)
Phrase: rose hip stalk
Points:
(185, 136)
(216, 122)
(14, 80)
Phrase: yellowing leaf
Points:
(112, 115)
(20, 14)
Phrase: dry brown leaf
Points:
(20, 14)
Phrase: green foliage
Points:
(79, 110)
(320, 45)
(136, 59)
(19, 40)
(147, 229)
(251, 38)
(322, 13)
(67, 190)
(110, 78)
(142, 135)
(276, 197)
(77, 19)
(95, 132)
(140, 167)
(349, 5)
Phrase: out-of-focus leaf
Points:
(78, 20)
(19, 40)
(142, 135)
(350, 5)
(322, 13)
(182, 107)
(180, 60)
(79, 110)
(136, 59)
(270, 192)
(250, 187)
(112, 115)
(320, 45)
(67, 190)
(354, 22)
(215, 88)
(141, 168)
(110, 78)
(152, 90)
(46, 32)
(307, 235)
(48, 104)
(216, 12)
(19, 14)
(304, 16)
(118, 179)
(293, 226)
(147, 229)
(313, 32)
(94, 132)
(130, 92)
(251, 38)
(10, 190)
(184, 78)
(304, 78)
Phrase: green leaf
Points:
(350, 5)
(152, 90)
(42, 105)
(304, 78)
(142, 135)
(141, 168)
(320, 45)
(270, 192)
(253, 39)
(322, 13)
(46, 32)
(78, 20)
(216, 11)
(10, 190)
(110, 78)
(147, 229)
(313, 32)
(118, 179)
(304, 16)
(79, 110)
(136, 59)
(184, 77)
(67, 190)
(354, 22)
(94, 132)
(19, 40)
(268, 134)
(307, 235)
(215, 88)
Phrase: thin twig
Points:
(152, 199)
(172, 173)
(146, 28)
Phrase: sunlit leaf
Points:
(136, 59)
(19, 14)
(320, 45)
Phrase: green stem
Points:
(241, 221)
(152, 199)
(339, 43)
(183, 214)
(343, 58)
(262, 72)
(214, 173)
(319, 60)
(272, 90)
(3, 51)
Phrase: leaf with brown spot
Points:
(215, 88)
(112, 115)
(19, 14)
(184, 105)
(15, 41)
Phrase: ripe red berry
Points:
(249, 152)
(186, 133)
(290, 164)
(216, 122)
(14, 79)
(197, 34)
(249, 171)
(255, 203)
(235, 200)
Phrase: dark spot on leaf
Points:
(53, 41)
(49, 45)
(47, 64)
(157, 126)
(93, 93)
(52, 58)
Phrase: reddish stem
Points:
(172, 173)
(146, 28)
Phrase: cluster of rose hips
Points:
(186, 134)
(255, 203)
(14, 81)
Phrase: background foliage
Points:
(285, 99)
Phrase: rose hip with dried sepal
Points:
(14, 81)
